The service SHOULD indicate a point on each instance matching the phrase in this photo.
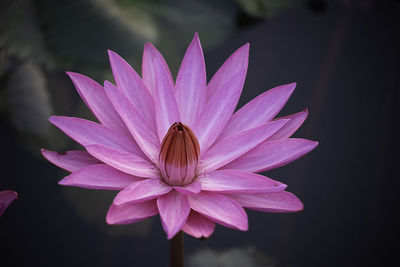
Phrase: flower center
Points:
(180, 152)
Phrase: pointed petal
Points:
(6, 198)
(99, 176)
(198, 226)
(270, 202)
(97, 101)
(235, 63)
(165, 102)
(133, 87)
(190, 189)
(218, 110)
(70, 160)
(148, 69)
(131, 213)
(88, 133)
(142, 191)
(174, 209)
(272, 154)
(145, 137)
(295, 121)
(228, 181)
(221, 209)
(235, 146)
(191, 83)
(258, 111)
(123, 161)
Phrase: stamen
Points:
(179, 155)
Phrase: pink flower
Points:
(176, 149)
(6, 198)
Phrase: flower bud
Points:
(180, 152)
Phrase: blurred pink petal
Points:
(220, 208)
(271, 202)
(142, 191)
(174, 209)
(131, 213)
(230, 181)
(191, 83)
(70, 160)
(148, 69)
(198, 226)
(99, 176)
(6, 197)
(280, 152)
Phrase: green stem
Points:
(176, 250)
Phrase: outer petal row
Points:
(6, 198)
(71, 160)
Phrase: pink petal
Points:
(270, 202)
(295, 121)
(258, 111)
(235, 146)
(97, 101)
(218, 110)
(99, 176)
(272, 154)
(235, 63)
(220, 208)
(145, 137)
(191, 83)
(123, 161)
(198, 226)
(131, 213)
(190, 189)
(142, 191)
(165, 102)
(70, 160)
(88, 133)
(174, 209)
(6, 198)
(228, 181)
(133, 87)
(148, 69)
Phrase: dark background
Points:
(344, 56)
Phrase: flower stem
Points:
(176, 250)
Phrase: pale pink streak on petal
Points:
(99, 176)
(144, 136)
(6, 198)
(97, 101)
(221, 209)
(174, 209)
(295, 121)
(123, 161)
(217, 111)
(258, 111)
(198, 226)
(133, 87)
(165, 102)
(233, 147)
(272, 154)
(191, 83)
(270, 202)
(70, 160)
(142, 191)
(230, 181)
(148, 69)
(190, 189)
(236, 62)
(131, 213)
(88, 133)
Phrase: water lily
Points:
(6, 198)
(177, 148)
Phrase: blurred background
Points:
(344, 56)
